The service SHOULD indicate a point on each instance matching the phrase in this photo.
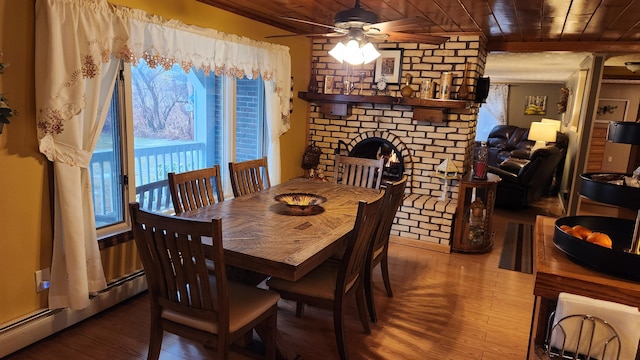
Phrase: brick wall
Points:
(424, 145)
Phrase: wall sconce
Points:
(541, 133)
(353, 53)
(633, 66)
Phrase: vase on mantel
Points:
(313, 82)
(407, 90)
(463, 90)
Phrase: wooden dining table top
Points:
(263, 235)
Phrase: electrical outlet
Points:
(42, 279)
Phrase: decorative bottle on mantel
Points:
(407, 90)
(313, 82)
(463, 90)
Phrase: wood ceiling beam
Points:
(574, 46)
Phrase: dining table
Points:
(263, 235)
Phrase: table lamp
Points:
(555, 122)
(541, 133)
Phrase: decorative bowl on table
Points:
(614, 261)
(301, 203)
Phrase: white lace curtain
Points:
(494, 111)
(78, 46)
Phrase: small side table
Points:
(476, 198)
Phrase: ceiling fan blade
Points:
(418, 38)
(310, 23)
(398, 25)
(333, 34)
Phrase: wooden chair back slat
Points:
(249, 176)
(355, 258)
(172, 255)
(356, 171)
(192, 190)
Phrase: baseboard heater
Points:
(46, 322)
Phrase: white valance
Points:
(132, 34)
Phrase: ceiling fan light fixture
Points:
(353, 53)
(338, 52)
(370, 53)
(633, 66)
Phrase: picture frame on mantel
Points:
(612, 109)
(388, 66)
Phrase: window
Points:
(179, 121)
(106, 169)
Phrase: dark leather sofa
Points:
(526, 180)
(526, 176)
(508, 141)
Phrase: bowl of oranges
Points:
(599, 242)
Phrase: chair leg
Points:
(270, 336)
(360, 304)
(155, 341)
(338, 328)
(299, 309)
(385, 275)
(368, 292)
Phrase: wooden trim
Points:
(115, 239)
(420, 244)
(575, 46)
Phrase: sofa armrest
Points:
(513, 165)
(521, 153)
(504, 175)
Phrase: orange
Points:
(582, 231)
(601, 239)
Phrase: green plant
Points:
(5, 111)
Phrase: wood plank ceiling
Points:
(611, 26)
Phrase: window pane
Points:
(250, 129)
(106, 170)
(177, 120)
(181, 123)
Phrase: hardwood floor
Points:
(445, 306)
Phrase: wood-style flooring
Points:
(445, 306)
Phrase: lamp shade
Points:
(540, 131)
(555, 122)
(633, 66)
(338, 52)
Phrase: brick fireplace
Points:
(420, 145)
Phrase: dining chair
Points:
(332, 282)
(194, 189)
(249, 176)
(186, 298)
(154, 196)
(393, 196)
(357, 171)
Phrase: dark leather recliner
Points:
(509, 141)
(525, 181)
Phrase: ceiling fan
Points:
(361, 24)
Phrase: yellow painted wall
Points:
(25, 225)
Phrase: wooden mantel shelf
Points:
(432, 110)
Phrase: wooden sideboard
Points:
(555, 273)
